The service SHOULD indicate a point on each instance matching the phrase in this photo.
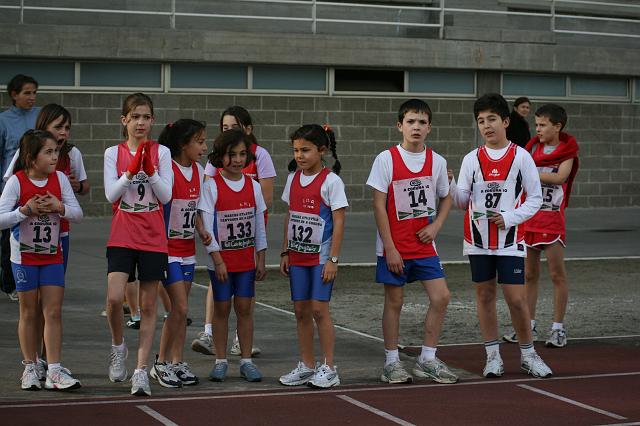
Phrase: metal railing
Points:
(314, 17)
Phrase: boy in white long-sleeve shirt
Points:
(499, 187)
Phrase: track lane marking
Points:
(573, 402)
(374, 410)
(159, 417)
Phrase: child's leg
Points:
(132, 291)
(486, 305)
(243, 307)
(393, 299)
(208, 312)
(116, 283)
(164, 298)
(304, 325)
(148, 296)
(555, 260)
(439, 297)
(27, 333)
(531, 277)
(326, 333)
(516, 298)
(40, 328)
(221, 312)
(174, 328)
(52, 296)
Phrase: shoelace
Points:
(117, 358)
(138, 378)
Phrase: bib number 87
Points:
(492, 199)
(240, 230)
(300, 233)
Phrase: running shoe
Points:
(557, 339)
(61, 379)
(249, 371)
(164, 374)
(512, 337)
(140, 383)
(182, 371)
(235, 348)
(30, 380)
(13, 296)
(41, 369)
(203, 344)
(117, 365)
(435, 370)
(494, 366)
(219, 372)
(395, 373)
(534, 365)
(325, 377)
(134, 322)
(298, 376)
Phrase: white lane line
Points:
(275, 393)
(159, 417)
(374, 410)
(620, 424)
(573, 402)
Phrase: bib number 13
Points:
(42, 234)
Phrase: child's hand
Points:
(221, 272)
(75, 185)
(498, 220)
(261, 271)
(284, 265)
(427, 234)
(329, 272)
(394, 261)
(32, 204)
(134, 166)
(147, 164)
(450, 175)
(205, 237)
(50, 204)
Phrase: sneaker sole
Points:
(198, 347)
(421, 373)
(190, 382)
(31, 388)
(258, 379)
(330, 385)
(493, 375)
(216, 379)
(509, 339)
(156, 376)
(140, 392)
(385, 379)
(117, 379)
(76, 385)
(553, 345)
(537, 376)
(298, 383)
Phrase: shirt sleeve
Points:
(261, 206)
(264, 164)
(381, 172)
(9, 213)
(287, 188)
(461, 192)
(531, 186)
(77, 164)
(72, 210)
(439, 177)
(209, 170)
(333, 193)
(162, 181)
(114, 186)
(206, 206)
(9, 172)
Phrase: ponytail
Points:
(332, 147)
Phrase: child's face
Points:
(235, 160)
(523, 109)
(26, 98)
(414, 127)
(196, 147)
(546, 130)
(308, 156)
(229, 122)
(138, 122)
(60, 129)
(492, 127)
(47, 158)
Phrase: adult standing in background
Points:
(19, 118)
(518, 130)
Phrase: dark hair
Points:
(30, 145)
(17, 83)
(493, 102)
(224, 142)
(320, 136)
(555, 113)
(414, 105)
(176, 135)
(521, 100)
(243, 118)
(133, 101)
(48, 114)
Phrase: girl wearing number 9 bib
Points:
(313, 232)
(232, 209)
(33, 201)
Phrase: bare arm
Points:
(394, 260)
(558, 178)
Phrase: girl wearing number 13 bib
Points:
(313, 231)
(33, 201)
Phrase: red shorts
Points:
(537, 239)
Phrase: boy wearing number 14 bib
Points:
(411, 202)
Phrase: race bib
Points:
(488, 197)
(236, 228)
(139, 197)
(552, 195)
(305, 232)
(414, 198)
(40, 234)
(182, 221)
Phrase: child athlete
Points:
(261, 170)
(186, 140)
(138, 178)
(313, 231)
(33, 201)
(232, 210)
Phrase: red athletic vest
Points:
(44, 227)
(180, 213)
(405, 224)
(137, 221)
(234, 225)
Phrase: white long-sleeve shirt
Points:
(161, 182)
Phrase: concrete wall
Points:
(609, 136)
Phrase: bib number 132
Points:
(301, 233)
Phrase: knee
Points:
(558, 277)
(179, 309)
(243, 311)
(114, 303)
(486, 296)
(319, 314)
(302, 314)
(53, 314)
(531, 277)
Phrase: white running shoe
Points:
(117, 365)
(182, 371)
(140, 383)
(534, 365)
(235, 348)
(512, 337)
(395, 373)
(298, 376)
(203, 344)
(494, 366)
(557, 339)
(435, 370)
(61, 379)
(30, 377)
(325, 377)
(41, 369)
(164, 374)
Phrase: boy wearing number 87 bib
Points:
(232, 210)
(499, 187)
(411, 202)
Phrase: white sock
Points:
(244, 361)
(492, 347)
(121, 346)
(391, 356)
(557, 326)
(54, 366)
(221, 361)
(533, 324)
(208, 328)
(140, 369)
(428, 354)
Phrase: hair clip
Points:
(327, 128)
(170, 125)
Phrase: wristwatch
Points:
(334, 259)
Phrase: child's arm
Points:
(261, 270)
(205, 236)
(260, 233)
(461, 191)
(284, 255)
(114, 187)
(70, 208)
(162, 182)
(9, 215)
(330, 269)
(428, 234)
(78, 178)
(558, 178)
(533, 201)
(394, 260)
